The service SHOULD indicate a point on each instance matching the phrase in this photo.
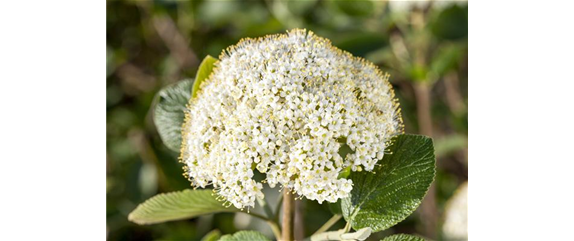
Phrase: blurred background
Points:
(151, 44)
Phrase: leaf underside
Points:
(244, 235)
(169, 112)
(176, 206)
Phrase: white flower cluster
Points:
(284, 105)
(456, 215)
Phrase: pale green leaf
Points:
(205, 69)
(244, 235)
(386, 196)
(214, 235)
(402, 237)
(169, 112)
(450, 144)
(176, 206)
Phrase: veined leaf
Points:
(244, 235)
(402, 237)
(169, 112)
(395, 188)
(176, 206)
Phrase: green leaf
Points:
(452, 23)
(176, 206)
(395, 188)
(446, 58)
(169, 112)
(203, 72)
(244, 235)
(214, 235)
(360, 43)
(402, 237)
(356, 8)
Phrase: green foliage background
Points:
(152, 44)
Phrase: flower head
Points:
(285, 105)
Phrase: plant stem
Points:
(274, 226)
(423, 98)
(328, 224)
(257, 215)
(452, 93)
(428, 207)
(298, 221)
(347, 227)
(423, 101)
(275, 229)
(287, 221)
(278, 208)
(270, 218)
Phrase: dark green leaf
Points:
(169, 112)
(244, 235)
(402, 237)
(452, 23)
(205, 69)
(360, 43)
(176, 206)
(395, 188)
(356, 8)
(335, 207)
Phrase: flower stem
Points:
(298, 221)
(347, 227)
(328, 224)
(266, 208)
(272, 223)
(287, 221)
(257, 215)
(278, 208)
(275, 229)
(428, 206)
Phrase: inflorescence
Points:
(284, 105)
